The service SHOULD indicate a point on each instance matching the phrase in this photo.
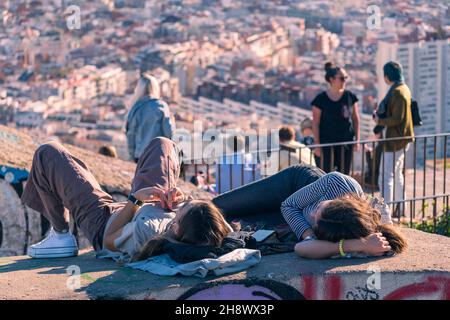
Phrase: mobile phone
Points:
(262, 235)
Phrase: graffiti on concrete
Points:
(331, 288)
(435, 287)
(362, 293)
(248, 289)
(327, 288)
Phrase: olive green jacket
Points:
(398, 121)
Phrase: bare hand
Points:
(318, 152)
(375, 244)
(357, 147)
(307, 233)
(152, 194)
(174, 197)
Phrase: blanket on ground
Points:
(234, 261)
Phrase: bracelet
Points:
(135, 201)
(341, 248)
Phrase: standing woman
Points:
(149, 117)
(394, 113)
(335, 119)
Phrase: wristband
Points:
(135, 201)
(341, 248)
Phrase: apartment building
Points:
(282, 113)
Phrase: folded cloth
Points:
(163, 265)
(185, 253)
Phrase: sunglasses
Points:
(343, 78)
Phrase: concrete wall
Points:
(413, 286)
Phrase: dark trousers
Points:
(59, 180)
(373, 159)
(266, 195)
(338, 157)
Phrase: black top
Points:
(336, 117)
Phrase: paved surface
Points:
(25, 278)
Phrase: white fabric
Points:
(392, 173)
(148, 222)
(163, 265)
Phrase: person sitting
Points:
(236, 167)
(291, 151)
(306, 130)
(109, 151)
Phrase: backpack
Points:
(415, 114)
(417, 120)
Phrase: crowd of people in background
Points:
(335, 123)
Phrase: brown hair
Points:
(109, 151)
(286, 133)
(203, 224)
(331, 70)
(352, 217)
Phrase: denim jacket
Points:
(148, 118)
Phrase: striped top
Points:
(298, 209)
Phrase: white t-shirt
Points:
(148, 221)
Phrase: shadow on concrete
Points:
(86, 261)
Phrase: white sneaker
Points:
(55, 245)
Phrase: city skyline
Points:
(69, 69)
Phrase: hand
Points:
(357, 147)
(307, 233)
(375, 244)
(318, 152)
(152, 194)
(174, 197)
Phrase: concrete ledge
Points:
(423, 272)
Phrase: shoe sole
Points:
(62, 252)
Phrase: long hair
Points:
(203, 224)
(352, 217)
(147, 85)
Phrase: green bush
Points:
(442, 225)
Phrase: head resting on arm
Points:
(352, 217)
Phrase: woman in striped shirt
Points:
(321, 209)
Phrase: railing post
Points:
(424, 176)
(363, 165)
(434, 165)
(374, 157)
(393, 187)
(415, 174)
(332, 166)
(382, 173)
(404, 182)
(219, 177)
(445, 170)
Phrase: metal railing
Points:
(424, 179)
